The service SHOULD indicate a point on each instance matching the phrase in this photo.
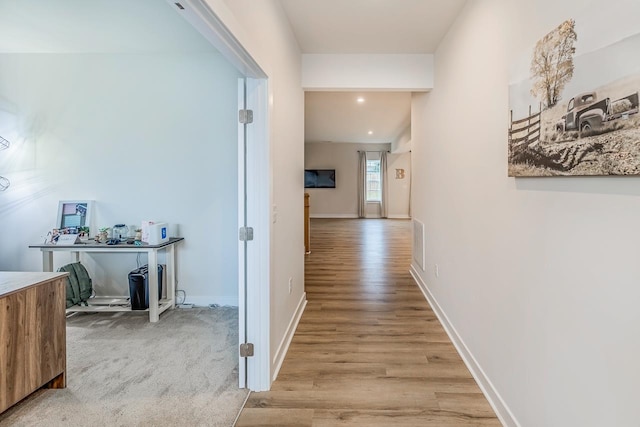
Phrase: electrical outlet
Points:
(290, 284)
(437, 270)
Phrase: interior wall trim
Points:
(495, 400)
(281, 353)
(205, 301)
(333, 216)
(207, 22)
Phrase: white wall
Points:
(399, 185)
(367, 71)
(263, 29)
(342, 201)
(147, 136)
(402, 144)
(537, 277)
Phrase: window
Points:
(374, 189)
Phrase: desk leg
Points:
(47, 261)
(153, 286)
(171, 274)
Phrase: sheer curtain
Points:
(384, 183)
(362, 174)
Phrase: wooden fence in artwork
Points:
(525, 131)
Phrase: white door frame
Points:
(259, 250)
(242, 326)
(200, 15)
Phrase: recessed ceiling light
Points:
(360, 100)
(370, 132)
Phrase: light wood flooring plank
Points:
(387, 418)
(388, 399)
(368, 351)
(270, 417)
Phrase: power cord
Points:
(184, 296)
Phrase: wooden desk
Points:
(33, 335)
(156, 305)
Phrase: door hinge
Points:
(246, 116)
(245, 234)
(246, 349)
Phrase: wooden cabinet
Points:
(32, 334)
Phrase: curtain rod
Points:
(388, 151)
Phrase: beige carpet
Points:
(124, 371)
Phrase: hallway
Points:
(368, 351)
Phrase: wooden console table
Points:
(156, 305)
(33, 335)
(307, 227)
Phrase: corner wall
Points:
(538, 278)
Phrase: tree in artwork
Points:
(552, 63)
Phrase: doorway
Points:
(339, 125)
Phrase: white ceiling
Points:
(339, 117)
(365, 26)
(371, 26)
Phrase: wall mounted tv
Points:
(320, 178)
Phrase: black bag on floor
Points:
(79, 284)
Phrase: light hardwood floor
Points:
(368, 351)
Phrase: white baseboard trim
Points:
(201, 301)
(333, 216)
(278, 358)
(351, 216)
(501, 409)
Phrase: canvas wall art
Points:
(575, 113)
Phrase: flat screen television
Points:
(320, 178)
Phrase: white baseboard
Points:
(352, 216)
(333, 216)
(501, 409)
(205, 301)
(278, 358)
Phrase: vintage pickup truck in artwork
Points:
(586, 112)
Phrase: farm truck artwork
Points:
(576, 113)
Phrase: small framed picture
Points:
(74, 214)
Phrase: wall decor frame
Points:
(576, 112)
(74, 214)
